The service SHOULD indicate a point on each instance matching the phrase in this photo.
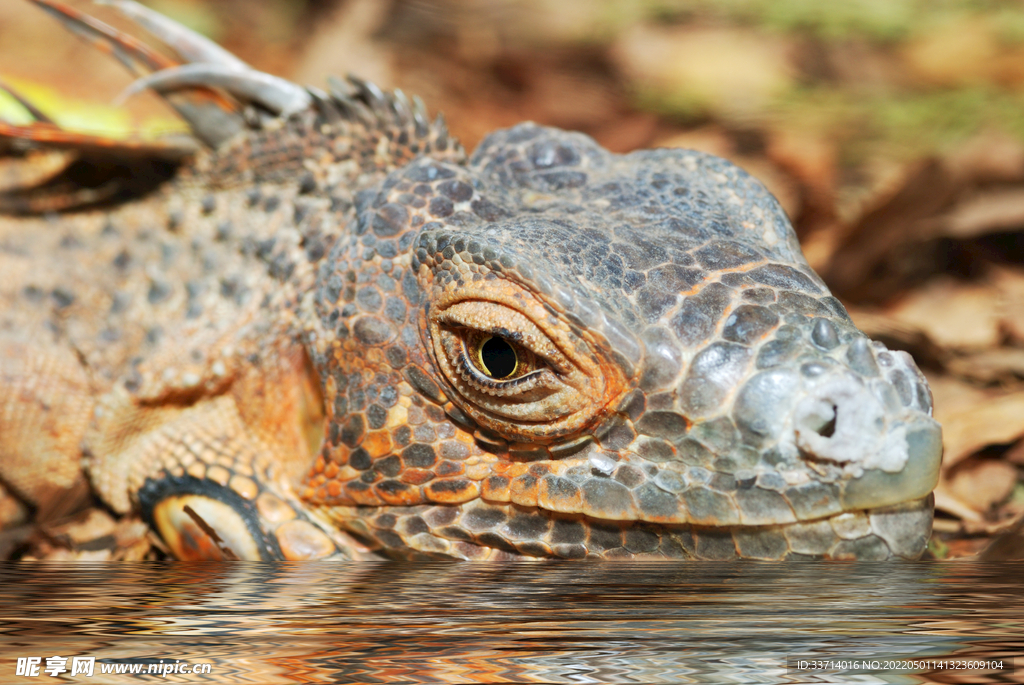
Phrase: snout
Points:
(887, 456)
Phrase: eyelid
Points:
(568, 388)
(516, 329)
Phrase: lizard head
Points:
(558, 351)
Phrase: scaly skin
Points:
(335, 336)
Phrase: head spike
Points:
(401, 106)
(441, 131)
(419, 116)
(347, 100)
(371, 93)
(325, 105)
(275, 94)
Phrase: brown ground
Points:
(894, 137)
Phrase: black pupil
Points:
(498, 357)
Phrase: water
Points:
(559, 622)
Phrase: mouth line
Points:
(892, 531)
(486, 530)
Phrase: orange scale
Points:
(378, 443)
(398, 493)
(359, 495)
(452, 491)
(415, 476)
(496, 488)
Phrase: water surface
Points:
(557, 622)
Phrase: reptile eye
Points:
(496, 357)
(522, 376)
(494, 363)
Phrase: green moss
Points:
(879, 21)
(938, 548)
(1009, 23)
(678, 105)
(199, 18)
(876, 20)
(903, 126)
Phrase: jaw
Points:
(830, 513)
(480, 530)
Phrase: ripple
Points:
(550, 622)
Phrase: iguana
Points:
(319, 330)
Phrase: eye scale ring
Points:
(514, 369)
(496, 357)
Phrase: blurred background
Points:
(892, 131)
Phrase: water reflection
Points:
(554, 622)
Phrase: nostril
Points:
(861, 437)
(829, 429)
(818, 417)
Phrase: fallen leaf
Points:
(952, 395)
(981, 483)
(34, 168)
(1015, 454)
(984, 212)
(1005, 547)
(873, 259)
(964, 547)
(992, 156)
(959, 53)
(729, 72)
(1002, 364)
(998, 420)
(1010, 283)
(345, 43)
(954, 314)
(948, 502)
(712, 139)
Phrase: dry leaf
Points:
(984, 212)
(1002, 364)
(948, 502)
(1006, 547)
(959, 53)
(873, 258)
(1015, 454)
(965, 547)
(991, 156)
(345, 44)
(1010, 283)
(710, 139)
(951, 395)
(981, 483)
(998, 420)
(954, 314)
(33, 169)
(730, 72)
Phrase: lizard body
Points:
(335, 335)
